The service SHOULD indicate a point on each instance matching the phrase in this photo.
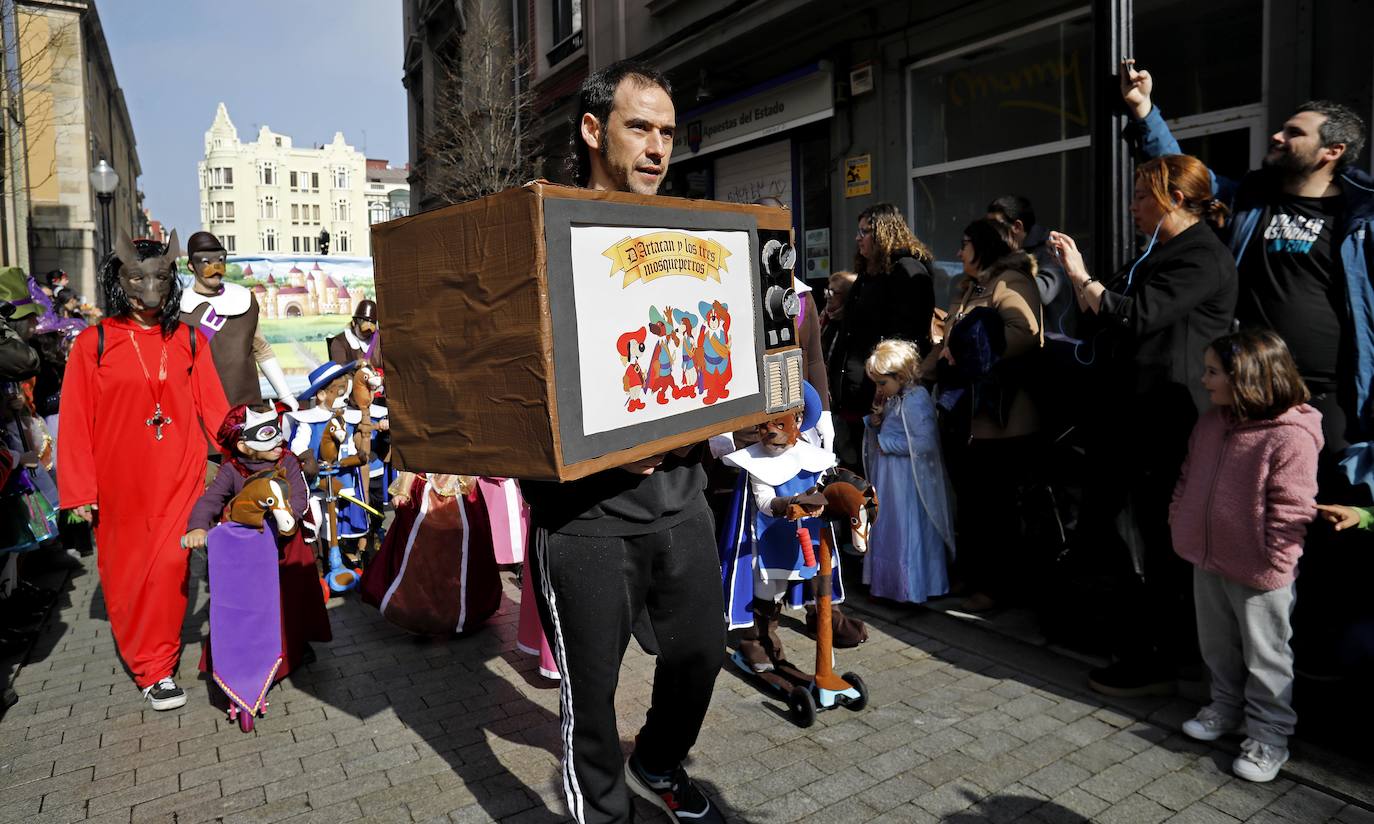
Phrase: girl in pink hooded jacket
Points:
(1240, 510)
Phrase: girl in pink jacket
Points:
(1240, 510)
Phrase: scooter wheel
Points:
(859, 686)
(245, 720)
(801, 707)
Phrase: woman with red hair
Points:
(1145, 328)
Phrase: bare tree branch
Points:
(481, 142)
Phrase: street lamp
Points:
(104, 179)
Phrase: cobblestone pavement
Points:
(387, 728)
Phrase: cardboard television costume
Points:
(548, 332)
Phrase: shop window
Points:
(1012, 114)
(1058, 185)
(1027, 90)
(566, 21)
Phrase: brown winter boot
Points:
(751, 649)
(845, 632)
(769, 612)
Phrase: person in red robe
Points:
(138, 390)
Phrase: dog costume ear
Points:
(124, 250)
(173, 251)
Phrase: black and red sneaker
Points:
(677, 795)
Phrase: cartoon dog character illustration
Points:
(631, 347)
(686, 324)
(713, 351)
(661, 363)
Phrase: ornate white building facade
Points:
(270, 196)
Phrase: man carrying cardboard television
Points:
(622, 542)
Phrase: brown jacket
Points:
(1009, 287)
(343, 353)
(232, 348)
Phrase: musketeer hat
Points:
(203, 242)
(367, 310)
(323, 375)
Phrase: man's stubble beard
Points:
(623, 178)
(1293, 168)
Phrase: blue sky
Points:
(306, 68)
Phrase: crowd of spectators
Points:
(1245, 318)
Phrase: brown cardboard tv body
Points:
(481, 317)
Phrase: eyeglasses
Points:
(864, 232)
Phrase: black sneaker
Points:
(165, 695)
(1133, 679)
(676, 795)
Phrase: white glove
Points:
(722, 445)
(271, 369)
(825, 427)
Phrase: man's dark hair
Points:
(1342, 125)
(1014, 208)
(597, 98)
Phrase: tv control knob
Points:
(781, 304)
(778, 257)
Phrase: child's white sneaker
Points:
(1209, 725)
(1259, 762)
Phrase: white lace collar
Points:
(232, 300)
(776, 470)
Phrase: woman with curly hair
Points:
(893, 297)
